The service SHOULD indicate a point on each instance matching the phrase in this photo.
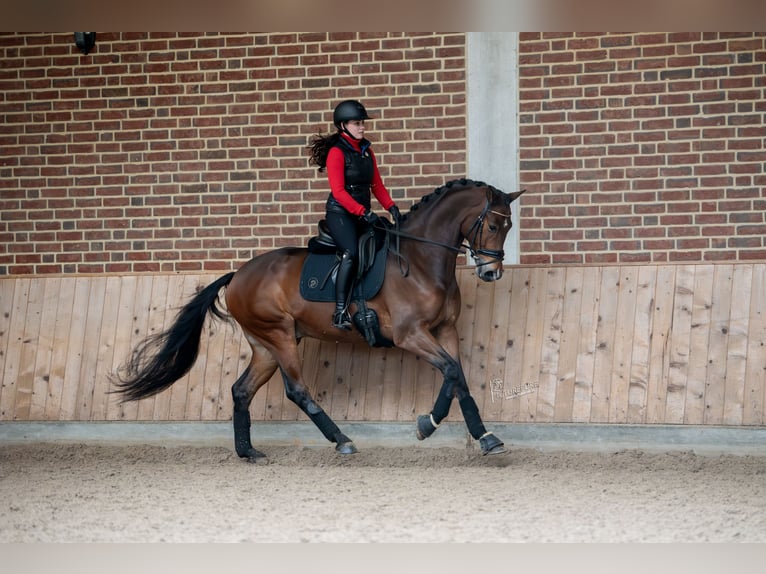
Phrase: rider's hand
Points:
(395, 213)
(370, 217)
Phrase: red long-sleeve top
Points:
(336, 176)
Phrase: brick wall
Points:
(643, 147)
(187, 152)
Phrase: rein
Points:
(475, 232)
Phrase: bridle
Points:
(473, 237)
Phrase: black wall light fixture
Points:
(85, 41)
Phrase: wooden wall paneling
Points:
(359, 372)
(550, 345)
(696, 374)
(26, 374)
(659, 357)
(679, 345)
(60, 353)
(230, 370)
(492, 406)
(376, 382)
(153, 310)
(755, 376)
(622, 358)
(591, 293)
(137, 331)
(535, 332)
(476, 370)
(94, 319)
(715, 383)
(387, 402)
(13, 345)
(322, 383)
(179, 392)
(114, 331)
(210, 382)
(342, 379)
(44, 348)
(170, 305)
(76, 322)
(7, 288)
(604, 353)
(736, 353)
(569, 343)
(209, 350)
(641, 352)
(506, 391)
(407, 387)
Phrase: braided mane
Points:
(444, 189)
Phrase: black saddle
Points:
(317, 281)
(318, 273)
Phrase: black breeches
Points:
(345, 229)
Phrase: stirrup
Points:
(341, 319)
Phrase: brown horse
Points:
(417, 309)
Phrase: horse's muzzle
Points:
(487, 274)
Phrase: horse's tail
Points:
(161, 359)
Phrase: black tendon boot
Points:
(340, 317)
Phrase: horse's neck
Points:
(441, 224)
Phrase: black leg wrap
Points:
(242, 444)
(472, 418)
(425, 427)
(443, 403)
(325, 424)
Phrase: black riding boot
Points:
(340, 317)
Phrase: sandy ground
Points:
(99, 493)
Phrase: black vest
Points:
(357, 172)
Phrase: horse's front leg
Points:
(444, 355)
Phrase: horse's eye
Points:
(493, 228)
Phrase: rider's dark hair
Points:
(320, 147)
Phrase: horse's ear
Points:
(515, 195)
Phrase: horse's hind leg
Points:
(297, 392)
(262, 366)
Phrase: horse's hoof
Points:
(424, 427)
(490, 444)
(346, 448)
(252, 454)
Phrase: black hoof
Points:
(346, 448)
(490, 444)
(425, 427)
(252, 454)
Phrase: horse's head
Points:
(486, 236)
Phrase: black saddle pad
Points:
(318, 277)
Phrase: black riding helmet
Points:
(347, 111)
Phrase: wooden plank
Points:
(507, 390)
(138, 330)
(7, 288)
(679, 345)
(60, 350)
(388, 405)
(622, 358)
(230, 371)
(570, 340)
(17, 318)
(702, 302)
(195, 381)
(715, 383)
(171, 304)
(755, 376)
(115, 331)
(477, 368)
(216, 352)
(342, 380)
(641, 351)
(530, 367)
(551, 344)
(498, 346)
(44, 344)
(591, 289)
(607, 319)
(659, 358)
(76, 342)
(121, 345)
(154, 309)
(90, 349)
(736, 354)
(357, 389)
(179, 392)
(406, 399)
(377, 365)
(32, 326)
